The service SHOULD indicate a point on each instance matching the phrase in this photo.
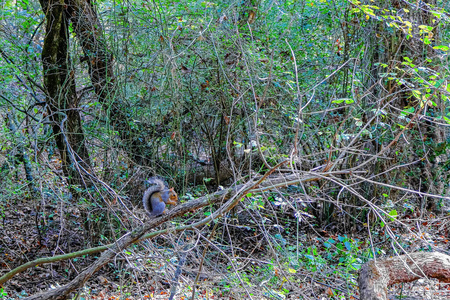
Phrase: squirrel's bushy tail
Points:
(156, 181)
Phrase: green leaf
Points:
(416, 93)
(407, 111)
(432, 103)
(237, 144)
(439, 83)
(339, 101)
(348, 245)
(393, 214)
(441, 47)
(407, 59)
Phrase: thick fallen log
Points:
(376, 276)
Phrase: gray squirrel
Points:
(157, 197)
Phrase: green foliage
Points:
(211, 94)
(340, 256)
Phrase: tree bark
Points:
(62, 102)
(89, 31)
(376, 276)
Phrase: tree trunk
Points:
(89, 31)
(61, 99)
(376, 276)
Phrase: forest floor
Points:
(23, 239)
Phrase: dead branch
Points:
(270, 183)
(234, 194)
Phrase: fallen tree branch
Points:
(376, 276)
(233, 194)
(271, 183)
